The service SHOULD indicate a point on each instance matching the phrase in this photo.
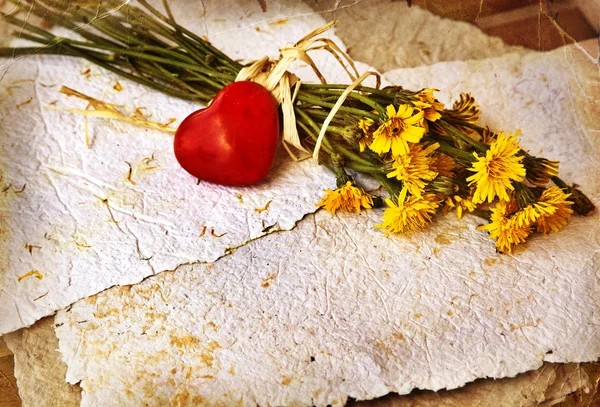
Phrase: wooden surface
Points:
(517, 22)
(8, 385)
(522, 22)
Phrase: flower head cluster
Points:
(506, 227)
(347, 198)
(426, 101)
(497, 169)
(432, 160)
(557, 219)
(443, 164)
(409, 214)
(402, 126)
(366, 126)
(414, 169)
(461, 204)
(510, 225)
(465, 109)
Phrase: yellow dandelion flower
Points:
(495, 171)
(443, 164)
(529, 214)
(410, 214)
(401, 127)
(560, 217)
(414, 168)
(429, 104)
(505, 228)
(366, 125)
(348, 198)
(460, 203)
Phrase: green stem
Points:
(303, 97)
(456, 153)
(354, 95)
(366, 169)
(312, 135)
(357, 158)
(220, 55)
(149, 57)
(47, 50)
(482, 213)
(454, 132)
(390, 185)
(374, 91)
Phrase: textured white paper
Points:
(84, 226)
(335, 309)
(80, 222)
(39, 373)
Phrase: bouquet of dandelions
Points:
(431, 160)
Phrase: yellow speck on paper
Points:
(265, 208)
(30, 247)
(34, 273)
(28, 101)
(280, 22)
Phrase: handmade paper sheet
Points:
(335, 309)
(37, 360)
(40, 375)
(95, 196)
(89, 203)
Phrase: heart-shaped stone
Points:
(234, 140)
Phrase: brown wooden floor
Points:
(8, 384)
(517, 22)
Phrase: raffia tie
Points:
(274, 76)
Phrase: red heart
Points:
(234, 140)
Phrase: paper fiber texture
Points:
(335, 309)
(389, 35)
(77, 220)
(124, 205)
(549, 385)
(40, 375)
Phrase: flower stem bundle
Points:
(429, 159)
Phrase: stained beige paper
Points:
(40, 374)
(335, 309)
(390, 35)
(547, 386)
(77, 220)
(39, 371)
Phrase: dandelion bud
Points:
(523, 195)
(351, 134)
(581, 203)
(465, 109)
(539, 170)
(210, 59)
(443, 185)
(338, 161)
